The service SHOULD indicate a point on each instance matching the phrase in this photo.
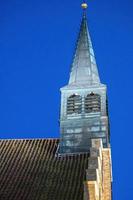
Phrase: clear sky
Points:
(37, 41)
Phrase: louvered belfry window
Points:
(92, 103)
(74, 104)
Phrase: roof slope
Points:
(29, 170)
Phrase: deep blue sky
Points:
(37, 41)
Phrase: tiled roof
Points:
(29, 170)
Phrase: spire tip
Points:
(84, 6)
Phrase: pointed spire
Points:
(84, 68)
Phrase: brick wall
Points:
(98, 175)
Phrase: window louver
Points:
(92, 103)
(74, 104)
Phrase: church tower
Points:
(84, 112)
(78, 165)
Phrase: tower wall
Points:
(77, 129)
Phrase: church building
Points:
(76, 166)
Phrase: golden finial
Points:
(84, 5)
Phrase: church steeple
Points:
(83, 113)
(84, 67)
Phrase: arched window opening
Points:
(74, 104)
(92, 103)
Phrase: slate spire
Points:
(84, 67)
